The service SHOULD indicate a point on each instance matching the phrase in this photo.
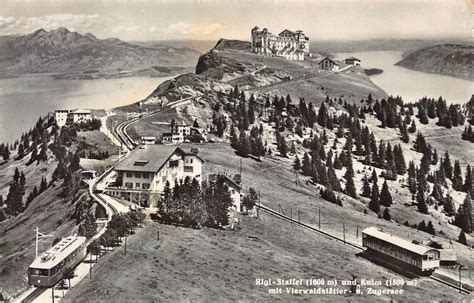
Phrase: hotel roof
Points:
(150, 158)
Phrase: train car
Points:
(50, 267)
(399, 252)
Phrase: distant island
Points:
(454, 60)
(71, 55)
(373, 71)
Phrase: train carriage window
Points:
(39, 272)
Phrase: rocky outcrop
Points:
(454, 60)
(231, 63)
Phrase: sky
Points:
(213, 19)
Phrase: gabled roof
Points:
(400, 242)
(288, 31)
(326, 58)
(232, 182)
(150, 158)
(81, 111)
(353, 58)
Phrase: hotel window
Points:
(137, 185)
(137, 175)
(145, 186)
(129, 175)
(145, 175)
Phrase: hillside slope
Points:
(230, 63)
(72, 55)
(454, 60)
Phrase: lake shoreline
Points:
(25, 98)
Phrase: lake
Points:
(411, 85)
(24, 99)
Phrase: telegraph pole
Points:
(319, 219)
(344, 232)
(125, 245)
(38, 237)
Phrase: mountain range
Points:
(68, 54)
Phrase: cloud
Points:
(75, 22)
(181, 29)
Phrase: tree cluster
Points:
(466, 135)
(191, 205)
(247, 145)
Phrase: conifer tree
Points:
(449, 206)
(422, 226)
(437, 192)
(374, 203)
(412, 128)
(282, 147)
(314, 174)
(430, 228)
(463, 217)
(462, 238)
(349, 176)
(337, 162)
(448, 168)
(333, 179)
(420, 143)
(244, 144)
(234, 140)
(322, 115)
(467, 187)
(296, 163)
(421, 201)
(422, 114)
(457, 176)
(386, 214)
(400, 163)
(366, 190)
(404, 133)
(385, 196)
(306, 165)
(43, 185)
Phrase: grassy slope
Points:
(212, 265)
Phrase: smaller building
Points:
(79, 115)
(65, 116)
(352, 61)
(179, 131)
(60, 117)
(448, 256)
(328, 64)
(148, 140)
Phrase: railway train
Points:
(399, 252)
(51, 266)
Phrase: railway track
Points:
(463, 290)
(121, 133)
